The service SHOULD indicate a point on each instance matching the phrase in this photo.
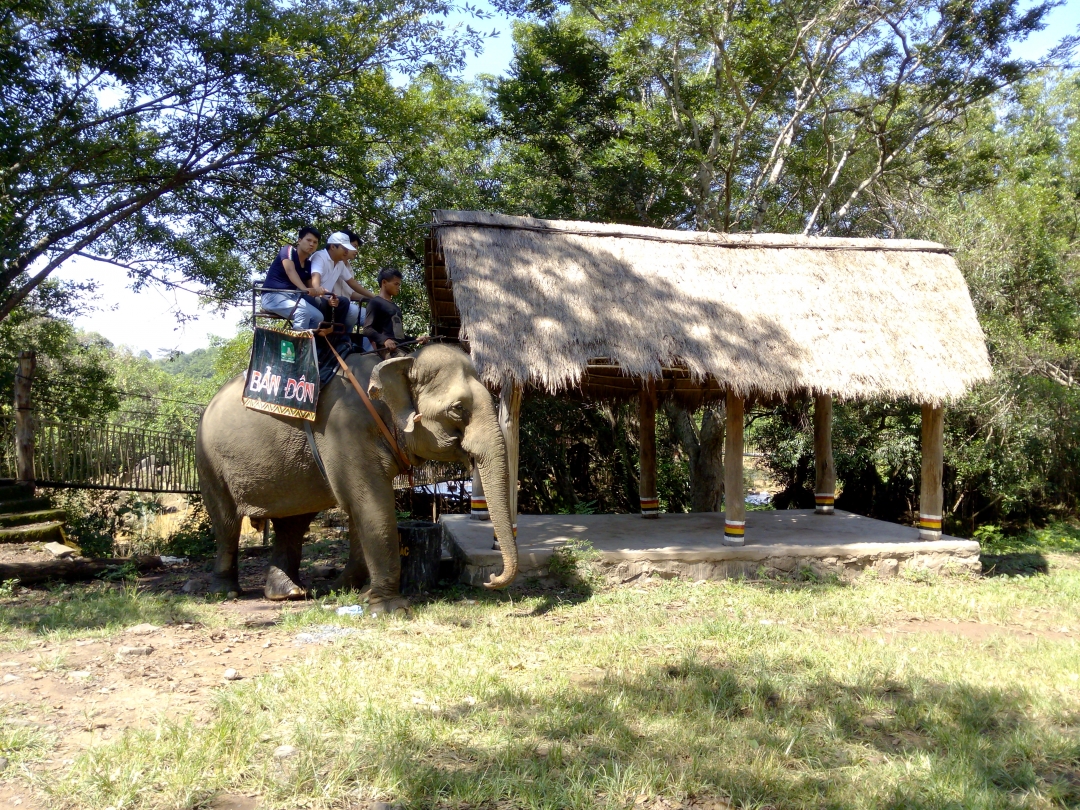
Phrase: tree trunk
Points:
(705, 450)
(72, 570)
(707, 476)
(24, 419)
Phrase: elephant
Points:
(260, 465)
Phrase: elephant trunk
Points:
(483, 440)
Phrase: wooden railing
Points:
(80, 453)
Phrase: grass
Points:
(765, 694)
(97, 610)
(22, 744)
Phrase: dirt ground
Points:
(87, 691)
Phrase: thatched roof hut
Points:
(575, 305)
(616, 310)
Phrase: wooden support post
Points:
(509, 421)
(931, 497)
(824, 469)
(734, 496)
(650, 506)
(479, 502)
(24, 420)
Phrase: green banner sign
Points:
(283, 375)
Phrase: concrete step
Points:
(14, 491)
(24, 505)
(37, 516)
(43, 532)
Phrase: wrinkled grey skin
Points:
(259, 465)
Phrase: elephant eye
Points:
(456, 412)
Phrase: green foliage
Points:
(580, 453)
(786, 116)
(1059, 536)
(1012, 447)
(231, 354)
(73, 369)
(190, 135)
(574, 563)
(199, 364)
(1014, 443)
(94, 518)
(875, 447)
(126, 571)
(194, 537)
(155, 398)
(7, 588)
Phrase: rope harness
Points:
(401, 457)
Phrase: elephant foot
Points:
(225, 586)
(395, 605)
(350, 581)
(279, 586)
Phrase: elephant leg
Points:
(355, 575)
(376, 532)
(283, 573)
(225, 579)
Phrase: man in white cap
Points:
(351, 290)
(329, 268)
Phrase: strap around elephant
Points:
(407, 467)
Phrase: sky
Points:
(148, 320)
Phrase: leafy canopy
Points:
(180, 135)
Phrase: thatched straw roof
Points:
(765, 314)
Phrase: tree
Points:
(184, 134)
(748, 115)
(1013, 216)
(73, 375)
(1008, 201)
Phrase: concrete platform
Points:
(692, 545)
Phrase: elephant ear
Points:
(390, 383)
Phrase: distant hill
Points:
(198, 365)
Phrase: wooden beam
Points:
(824, 469)
(734, 496)
(509, 422)
(73, 570)
(650, 506)
(479, 502)
(24, 422)
(931, 496)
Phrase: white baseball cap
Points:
(340, 238)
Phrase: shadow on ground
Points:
(689, 731)
(1017, 564)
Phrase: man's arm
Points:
(294, 277)
(316, 288)
(316, 285)
(359, 288)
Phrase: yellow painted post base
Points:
(479, 509)
(734, 532)
(650, 507)
(823, 503)
(929, 527)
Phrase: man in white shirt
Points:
(350, 289)
(330, 271)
